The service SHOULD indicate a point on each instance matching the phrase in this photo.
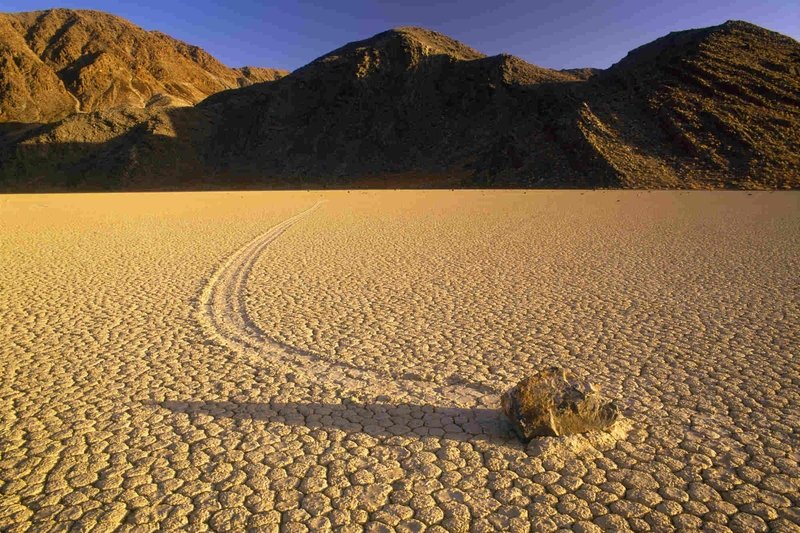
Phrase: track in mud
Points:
(223, 313)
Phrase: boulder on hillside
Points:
(554, 403)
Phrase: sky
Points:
(559, 34)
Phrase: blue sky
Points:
(564, 34)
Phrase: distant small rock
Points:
(555, 403)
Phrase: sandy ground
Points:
(314, 360)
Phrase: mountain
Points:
(57, 62)
(405, 101)
(706, 108)
(710, 108)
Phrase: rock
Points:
(554, 403)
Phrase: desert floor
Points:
(314, 360)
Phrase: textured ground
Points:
(233, 360)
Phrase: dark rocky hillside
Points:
(707, 108)
(710, 108)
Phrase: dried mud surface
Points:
(310, 361)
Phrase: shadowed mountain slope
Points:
(708, 108)
(405, 101)
(56, 62)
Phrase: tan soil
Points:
(235, 360)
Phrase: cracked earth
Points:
(318, 361)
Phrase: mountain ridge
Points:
(714, 107)
(91, 60)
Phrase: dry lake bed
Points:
(333, 360)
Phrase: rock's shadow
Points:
(376, 419)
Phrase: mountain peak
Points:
(59, 61)
(436, 43)
(734, 37)
(405, 45)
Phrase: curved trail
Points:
(222, 305)
(224, 315)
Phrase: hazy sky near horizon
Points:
(566, 34)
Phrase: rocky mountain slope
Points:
(708, 108)
(57, 62)
(402, 102)
(716, 107)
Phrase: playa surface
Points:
(315, 360)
